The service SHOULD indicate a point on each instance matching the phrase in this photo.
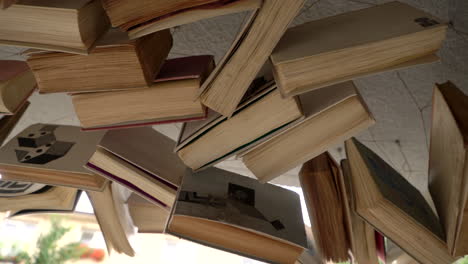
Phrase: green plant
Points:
(47, 249)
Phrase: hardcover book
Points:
(16, 84)
(59, 25)
(144, 17)
(115, 63)
(394, 207)
(238, 214)
(332, 114)
(142, 160)
(169, 99)
(259, 118)
(349, 45)
(228, 83)
(53, 155)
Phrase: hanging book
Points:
(169, 99)
(142, 160)
(116, 63)
(68, 25)
(53, 155)
(350, 45)
(240, 215)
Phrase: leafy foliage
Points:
(48, 251)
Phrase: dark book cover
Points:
(396, 189)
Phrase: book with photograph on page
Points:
(144, 17)
(68, 25)
(448, 163)
(238, 214)
(260, 116)
(142, 160)
(17, 83)
(353, 44)
(169, 99)
(116, 63)
(226, 86)
(332, 114)
(394, 207)
(51, 154)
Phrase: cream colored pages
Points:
(51, 147)
(345, 30)
(313, 103)
(147, 149)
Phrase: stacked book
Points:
(121, 82)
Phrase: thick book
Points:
(141, 159)
(448, 163)
(346, 46)
(332, 115)
(263, 115)
(8, 122)
(238, 214)
(169, 99)
(116, 63)
(26, 197)
(146, 216)
(67, 25)
(16, 84)
(394, 207)
(144, 17)
(53, 155)
(113, 216)
(226, 86)
(327, 203)
(4, 4)
(362, 236)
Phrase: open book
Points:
(225, 210)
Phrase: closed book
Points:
(16, 84)
(169, 98)
(226, 86)
(349, 45)
(142, 160)
(53, 155)
(327, 203)
(332, 114)
(68, 26)
(262, 116)
(8, 122)
(238, 214)
(116, 63)
(144, 17)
